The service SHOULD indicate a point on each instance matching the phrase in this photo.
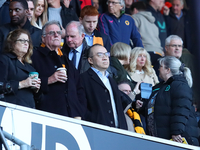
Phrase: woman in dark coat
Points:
(170, 112)
(15, 68)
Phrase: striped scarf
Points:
(136, 121)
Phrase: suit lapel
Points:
(18, 64)
(22, 67)
(95, 77)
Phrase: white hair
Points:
(176, 68)
(172, 37)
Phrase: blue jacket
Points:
(120, 29)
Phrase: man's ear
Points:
(82, 36)
(121, 7)
(80, 20)
(26, 12)
(42, 39)
(166, 49)
(90, 60)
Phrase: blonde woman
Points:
(40, 13)
(140, 68)
(120, 55)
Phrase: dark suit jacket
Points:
(66, 99)
(12, 71)
(83, 63)
(99, 109)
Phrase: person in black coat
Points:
(104, 105)
(19, 19)
(170, 111)
(62, 90)
(15, 66)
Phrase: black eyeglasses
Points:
(100, 54)
(113, 3)
(53, 33)
(174, 46)
(23, 41)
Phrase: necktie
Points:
(74, 57)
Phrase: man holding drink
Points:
(60, 83)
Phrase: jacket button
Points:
(111, 122)
(109, 111)
(105, 90)
(108, 101)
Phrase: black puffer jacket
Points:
(173, 110)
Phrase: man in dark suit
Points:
(89, 19)
(62, 90)
(19, 19)
(104, 105)
(76, 47)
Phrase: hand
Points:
(138, 104)
(177, 138)
(66, 3)
(37, 85)
(58, 76)
(166, 11)
(136, 89)
(79, 118)
(29, 82)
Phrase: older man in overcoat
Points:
(62, 90)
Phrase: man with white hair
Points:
(119, 26)
(173, 46)
(178, 22)
(62, 90)
(76, 46)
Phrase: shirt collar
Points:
(99, 72)
(180, 15)
(78, 49)
(89, 35)
(139, 72)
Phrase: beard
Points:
(19, 21)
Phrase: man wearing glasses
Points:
(60, 82)
(174, 47)
(118, 25)
(104, 104)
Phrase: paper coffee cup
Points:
(62, 69)
(34, 73)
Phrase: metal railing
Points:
(4, 135)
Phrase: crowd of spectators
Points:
(92, 60)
